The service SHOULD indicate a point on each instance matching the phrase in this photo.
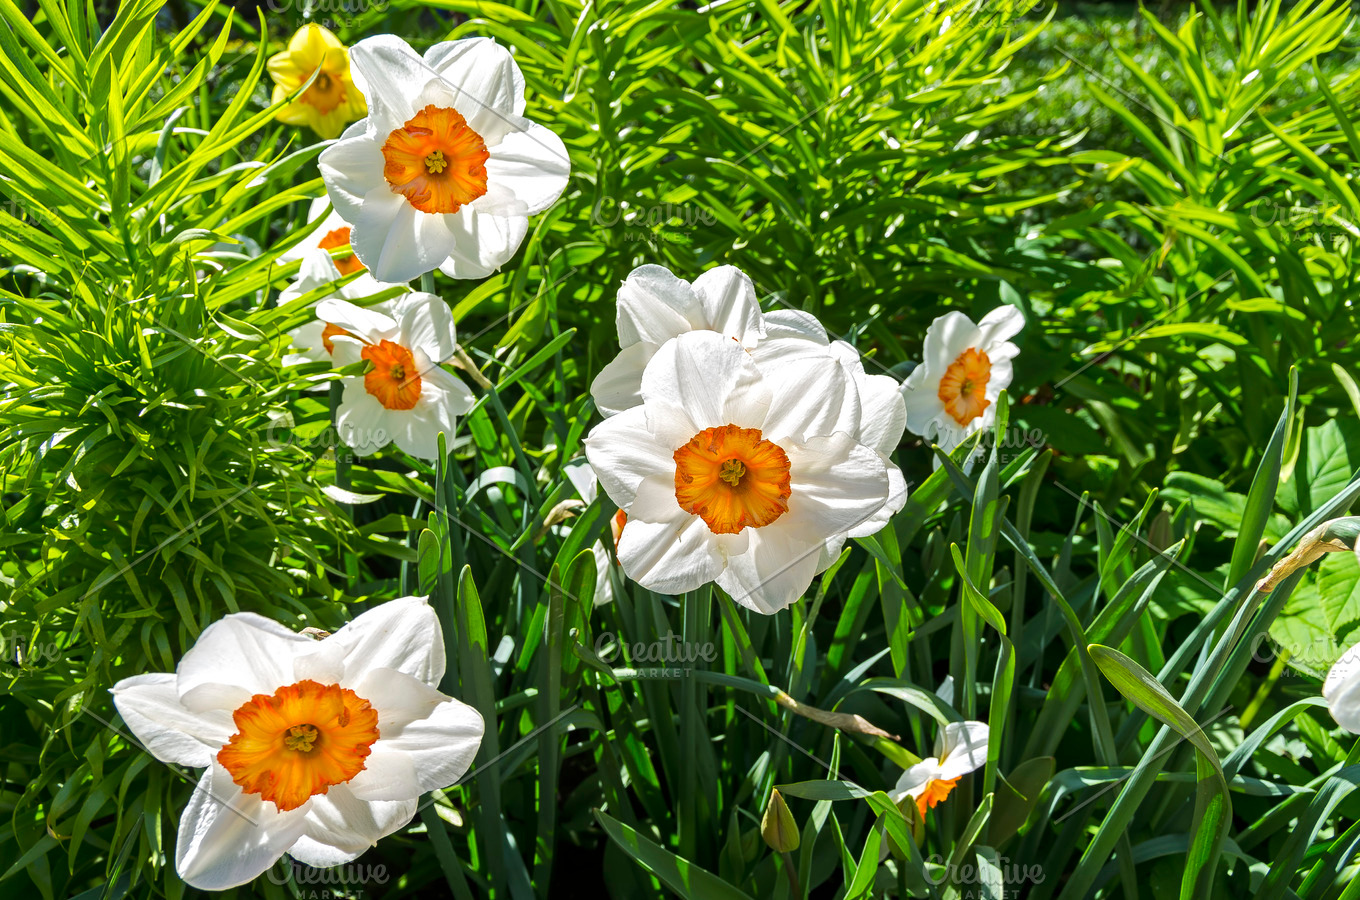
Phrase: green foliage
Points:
(1089, 589)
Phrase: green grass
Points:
(1186, 374)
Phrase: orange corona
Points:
(436, 161)
(732, 478)
(935, 792)
(347, 263)
(299, 742)
(963, 389)
(394, 379)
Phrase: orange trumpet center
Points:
(326, 93)
(347, 263)
(299, 741)
(394, 379)
(436, 161)
(732, 477)
(934, 793)
(963, 389)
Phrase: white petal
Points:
(604, 590)
(582, 477)
(227, 837)
(794, 323)
(1341, 690)
(532, 164)
(654, 306)
(837, 483)
(883, 413)
(367, 324)
(962, 748)
(401, 634)
(619, 384)
(425, 735)
(488, 83)
(670, 557)
(711, 378)
(397, 241)
(151, 709)
(915, 779)
(811, 396)
(729, 303)
(777, 567)
(245, 651)
(947, 337)
(999, 325)
(362, 420)
(352, 167)
(425, 321)
(622, 451)
(921, 398)
(340, 826)
(897, 498)
(482, 242)
(391, 76)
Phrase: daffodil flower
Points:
(960, 748)
(445, 170)
(331, 101)
(406, 397)
(655, 306)
(952, 394)
(1341, 690)
(729, 474)
(313, 748)
(314, 342)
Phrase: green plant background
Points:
(1166, 194)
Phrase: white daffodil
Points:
(582, 477)
(332, 235)
(313, 342)
(406, 397)
(313, 748)
(655, 305)
(729, 474)
(1341, 690)
(960, 748)
(952, 394)
(445, 170)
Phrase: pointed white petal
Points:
(352, 167)
(340, 827)
(728, 299)
(244, 651)
(962, 748)
(670, 557)
(227, 837)
(811, 396)
(151, 709)
(623, 451)
(654, 306)
(711, 378)
(532, 164)
(482, 242)
(428, 740)
(619, 384)
(837, 483)
(776, 569)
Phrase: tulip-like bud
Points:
(778, 828)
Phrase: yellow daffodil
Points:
(332, 101)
